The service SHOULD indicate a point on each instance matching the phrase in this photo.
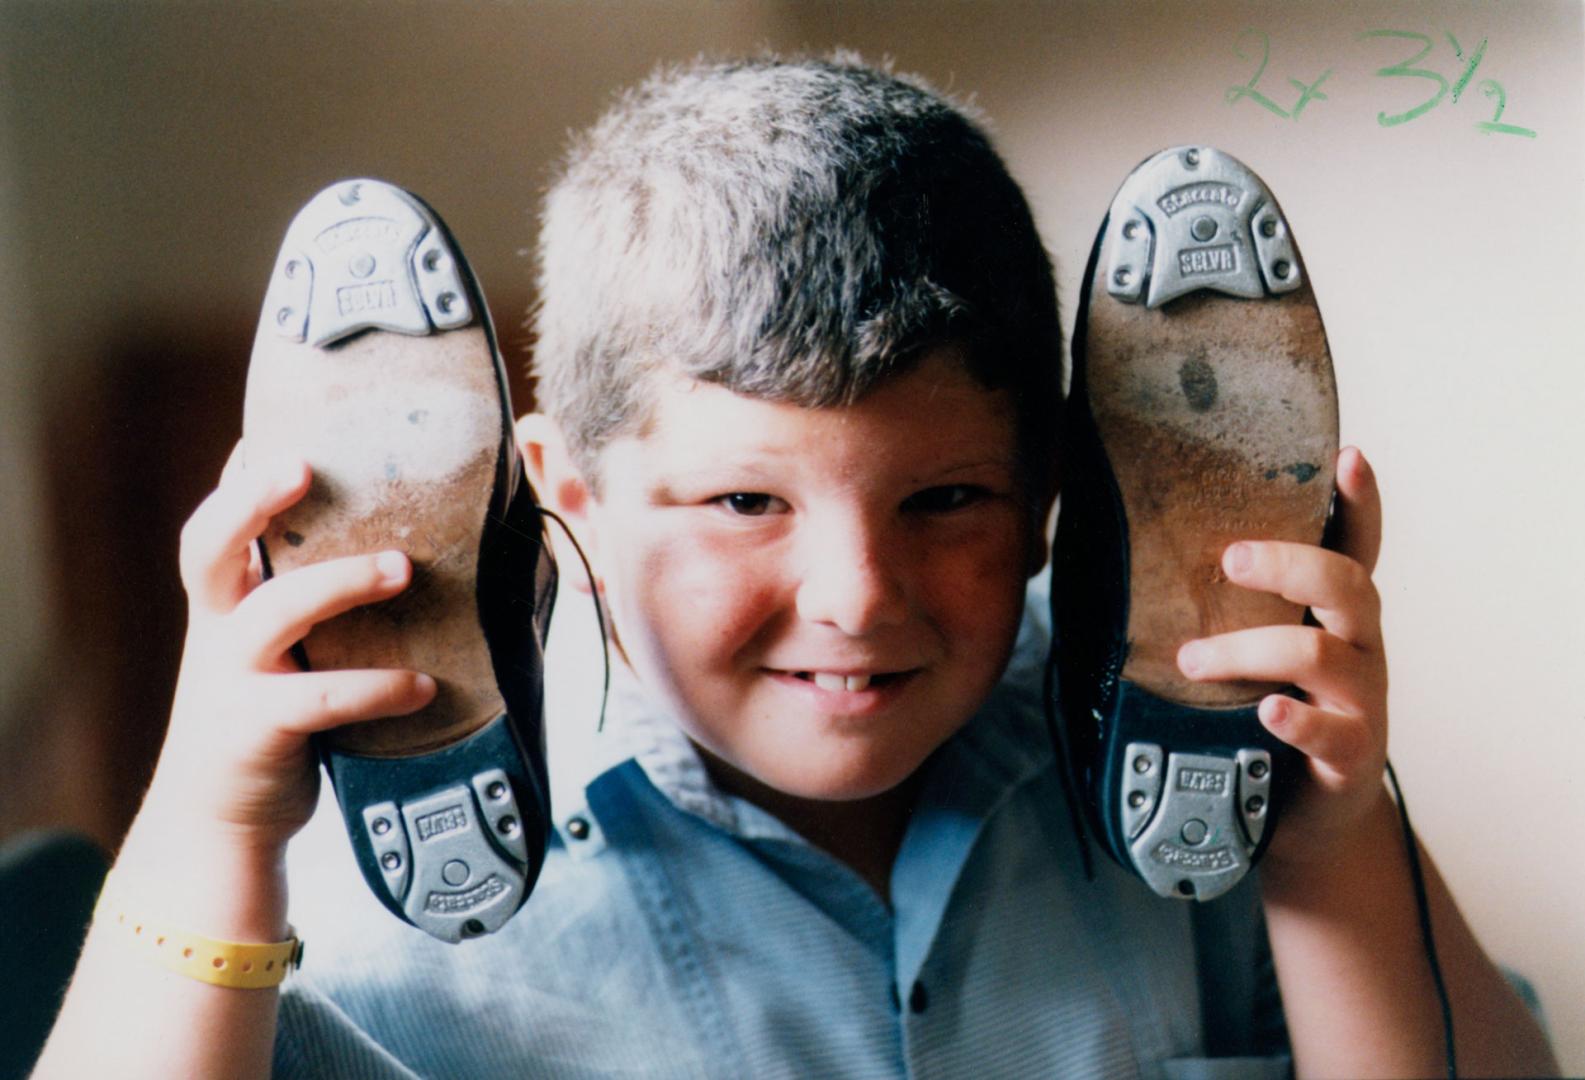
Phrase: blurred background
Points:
(1430, 158)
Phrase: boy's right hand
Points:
(237, 767)
(236, 779)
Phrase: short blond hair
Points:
(797, 231)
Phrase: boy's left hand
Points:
(1340, 665)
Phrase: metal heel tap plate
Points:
(1193, 821)
(454, 859)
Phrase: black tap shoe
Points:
(1202, 411)
(376, 361)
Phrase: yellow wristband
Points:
(234, 964)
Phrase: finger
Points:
(1317, 662)
(231, 473)
(1335, 587)
(281, 612)
(317, 701)
(1358, 509)
(1343, 746)
(234, 464)
(216, 539)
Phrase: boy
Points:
(800, 361)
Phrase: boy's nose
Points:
(852, 581)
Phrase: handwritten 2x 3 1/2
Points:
(1466, 66)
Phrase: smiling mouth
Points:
(827, 680)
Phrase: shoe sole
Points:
(389, 421)
(1218, 415)
(376, 361)
(1203, 412)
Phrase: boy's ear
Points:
(562, 488)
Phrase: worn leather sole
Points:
(408, 432)
(1218, 413)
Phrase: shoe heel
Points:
(447, 840)
(1188, 797)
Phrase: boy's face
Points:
(824, 595)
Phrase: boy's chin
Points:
(833, 782)
(855, 785)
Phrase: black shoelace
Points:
(1423, 909)
(599, 614)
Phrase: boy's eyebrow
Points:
(713, 477)
(1008, 461)
(747, 474)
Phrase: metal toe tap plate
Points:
(364, 255)
(1195, 218)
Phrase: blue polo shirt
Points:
(679, 931)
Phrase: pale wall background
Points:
(151, 154)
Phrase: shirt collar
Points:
(636, 728)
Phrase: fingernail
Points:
(1191, 659)
(1274, 711)
(282, 474)
(392, 566)
(1238, 558)
(424, 684)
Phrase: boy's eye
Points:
(943, 499)
(750, 503)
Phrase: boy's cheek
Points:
(994, 564)
(679, 597)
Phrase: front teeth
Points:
(828, 681)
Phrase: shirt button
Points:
(578, 828)
(918, 1000)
